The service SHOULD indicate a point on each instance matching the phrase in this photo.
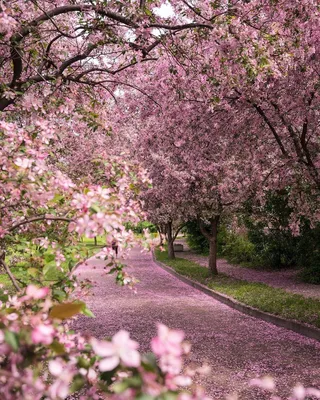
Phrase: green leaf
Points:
(66, 310)
(59, 294)
(144, 397)
(33, 272)
(120, 387)
(12, 339)
(49, 257)
(77, 384)
(49, 268)
(94, 208)
(86, 311)
(57, 347)
(149, 361)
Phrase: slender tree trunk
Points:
(170, 241)
(95, 241)
(213, 257)
(213, 246)
(8, 271)
(211, 235)
(160, 236)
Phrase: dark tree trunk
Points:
(95, 241)
(213, 258)
(170, 240)
(211, 235)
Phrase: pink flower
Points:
(167, 342)
(169, 347)
(266, 383)
(55, 367)
(120, 349)
(43, 334)
(37, 293)
(23, 163)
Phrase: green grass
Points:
(258, 295)
(101, 241)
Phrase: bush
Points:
(238, 249)
(310, 275)
(273, 248)
(199, 243)
(138, 229)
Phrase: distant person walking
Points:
(115, 246)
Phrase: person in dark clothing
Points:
(114, 246)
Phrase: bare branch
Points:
(275, 134)
(39, 218)
(10, 274)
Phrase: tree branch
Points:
(203, 230)
(8, 271)
(267, 121)
(39, 218)
(178, 230)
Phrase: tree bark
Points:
(10, 274)
(212, 235)
(170, 241)
(95, 241)
(213, 246)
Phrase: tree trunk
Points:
(213, 257)
(95, 241)
(211, 235)
(160, 236)
(8, 271)
(170, 241)
(213, 246)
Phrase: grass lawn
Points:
(258, 295)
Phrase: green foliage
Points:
(138, 229)
(310, 275)
(238, 249)
(199, 243)
(31, 263)
(258, 295)
(261, 247)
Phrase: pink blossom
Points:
(43, 334)
(120, 349)
(168, 341)
(266, 383)
(37, 293)
(23, 163)
(55, 367)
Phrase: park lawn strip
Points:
(258, 295)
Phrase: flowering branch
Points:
(40, 218)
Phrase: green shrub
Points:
(197, 242)
(138, 229)
(238, 249)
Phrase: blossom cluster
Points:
(41, 358)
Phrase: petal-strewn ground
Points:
(237, 347)
(285, 279)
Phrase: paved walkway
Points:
(237, 347)
(285, 279)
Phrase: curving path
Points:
(238, 347)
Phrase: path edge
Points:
(297, 327)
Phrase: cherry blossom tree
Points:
(229, 110)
